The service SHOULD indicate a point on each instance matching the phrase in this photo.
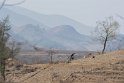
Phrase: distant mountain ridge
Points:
(50, 31)
(52, 20)
(59, 37)
(17, 19)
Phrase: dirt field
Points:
(107, 68)
(43, 57)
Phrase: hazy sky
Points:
(84, 11)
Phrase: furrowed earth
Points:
(106, 68)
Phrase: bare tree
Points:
(14, 48)
(4, 37)
(51, 53)
(3, 3)
(121, 40)
(4, 50)
(106, 31)
(121, 17)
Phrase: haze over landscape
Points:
(84, 11)
(52, 14)
(61, 41)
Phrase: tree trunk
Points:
(105, 45)
(3, 60)
(51, 59)
(3, 64)
(51, 56)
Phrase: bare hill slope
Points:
(107, 68)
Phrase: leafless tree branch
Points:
(13, 4)
(121, 17)
(3, 3)
(106, 30)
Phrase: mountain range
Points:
(48, 31)
(59, 37)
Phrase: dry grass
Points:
(107, 68)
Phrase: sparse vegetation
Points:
(14, 48)
(106, 30)
(51, 54)
(100, 69)
(64, 62)
(4, 50)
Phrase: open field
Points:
(107, 68)
(33, 57)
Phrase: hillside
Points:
(65, 37)
(60, 37)
(48, 31)
(107, 68)
(52, 20)
(17, 19)
(52, 31)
